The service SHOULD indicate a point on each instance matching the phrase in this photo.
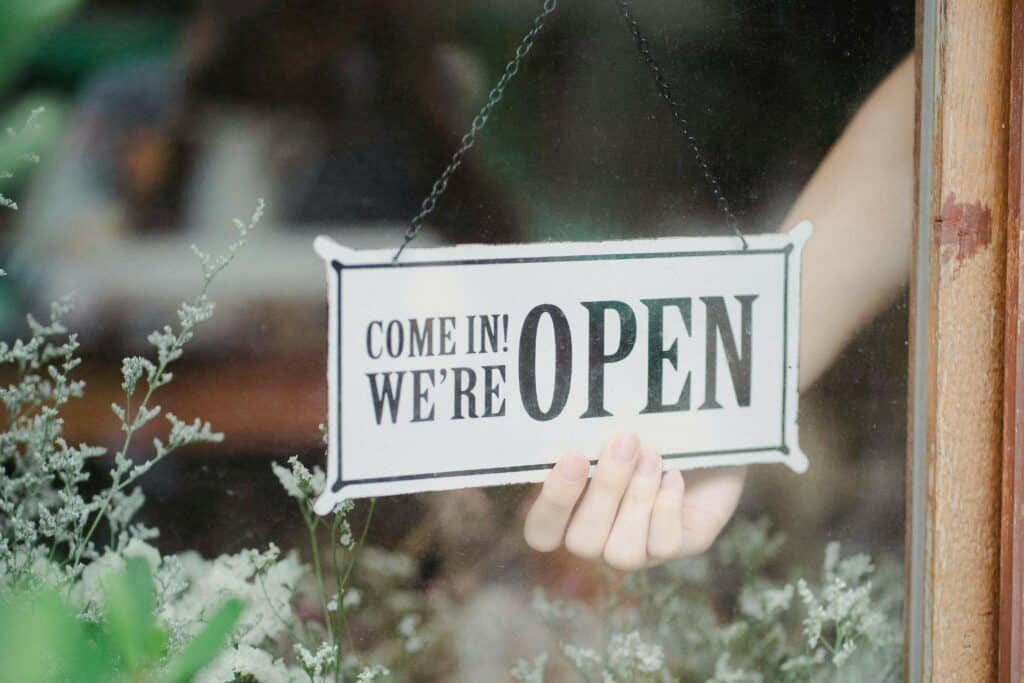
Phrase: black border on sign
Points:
(339, 268)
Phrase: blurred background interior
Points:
(165, 119)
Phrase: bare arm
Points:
(859, 199)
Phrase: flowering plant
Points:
(673, 623)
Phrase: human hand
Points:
(632, 514)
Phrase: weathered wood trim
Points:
(1011, 598)
(917, 599)
(956, 448)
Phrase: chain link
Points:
(479, 121)
(666, 94)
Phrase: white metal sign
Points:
(480, 365)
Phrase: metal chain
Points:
(479, 121)
(666, 94)
(494, 97)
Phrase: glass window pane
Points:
(341, 116)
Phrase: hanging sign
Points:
(481, 365)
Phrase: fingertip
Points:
(667, 535)
(572, 467)
(541, 542)
(627, 559)
(549, 515)
(650, 463)
(673, 481)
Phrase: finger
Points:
(665, 540)
(549, 515)
(590, 525)
(626, 548)
(710, 501)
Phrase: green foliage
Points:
(42, 639)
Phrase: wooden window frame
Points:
(965, 502)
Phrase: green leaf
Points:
(205, 647)
(40, 640)
(23, 626)
(130, 622)
(22, 25)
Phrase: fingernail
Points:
(624, 449)
(650, 463)
(572, 467)
(672, 480)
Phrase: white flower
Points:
(265, 587)
(246, 660)
(372, 673)
(318, 663)
(530, 672)
(145, 551)
(299, 482)
(581, 657)
(352, 598)
(287, 479)
(89, 590)
(553, 610)
(765, 603)
(843, 653)
(407, 629)
(628, 651)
